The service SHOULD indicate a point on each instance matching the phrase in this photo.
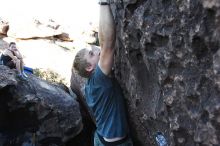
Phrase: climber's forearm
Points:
(106, 28)
(106, 39)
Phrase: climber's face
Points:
(92, 57)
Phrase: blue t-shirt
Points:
(104, 97)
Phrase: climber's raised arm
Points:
(106, 37)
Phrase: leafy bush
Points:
(49, 75)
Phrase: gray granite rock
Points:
(36, 109)
(167, 62)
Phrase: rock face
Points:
(168, 64)
(36, 29)
(35, 111)
(3, 27)
(77, 86)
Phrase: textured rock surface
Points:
(36, 29)
(168, 63)
(35, 110)
(3, 27)
(77, 86)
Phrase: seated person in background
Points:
(12, 58)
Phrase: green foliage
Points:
(49, 75)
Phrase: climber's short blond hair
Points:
(80, 63)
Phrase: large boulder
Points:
(77, 84)
(3, 45)
(36, 111)
(4, 26)
(167, 62)
(37, 29)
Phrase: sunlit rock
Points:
(36, 29)
(3, 27)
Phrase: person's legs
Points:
(18, 66)
(22, 65)
(11, 64)
(22, 68)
